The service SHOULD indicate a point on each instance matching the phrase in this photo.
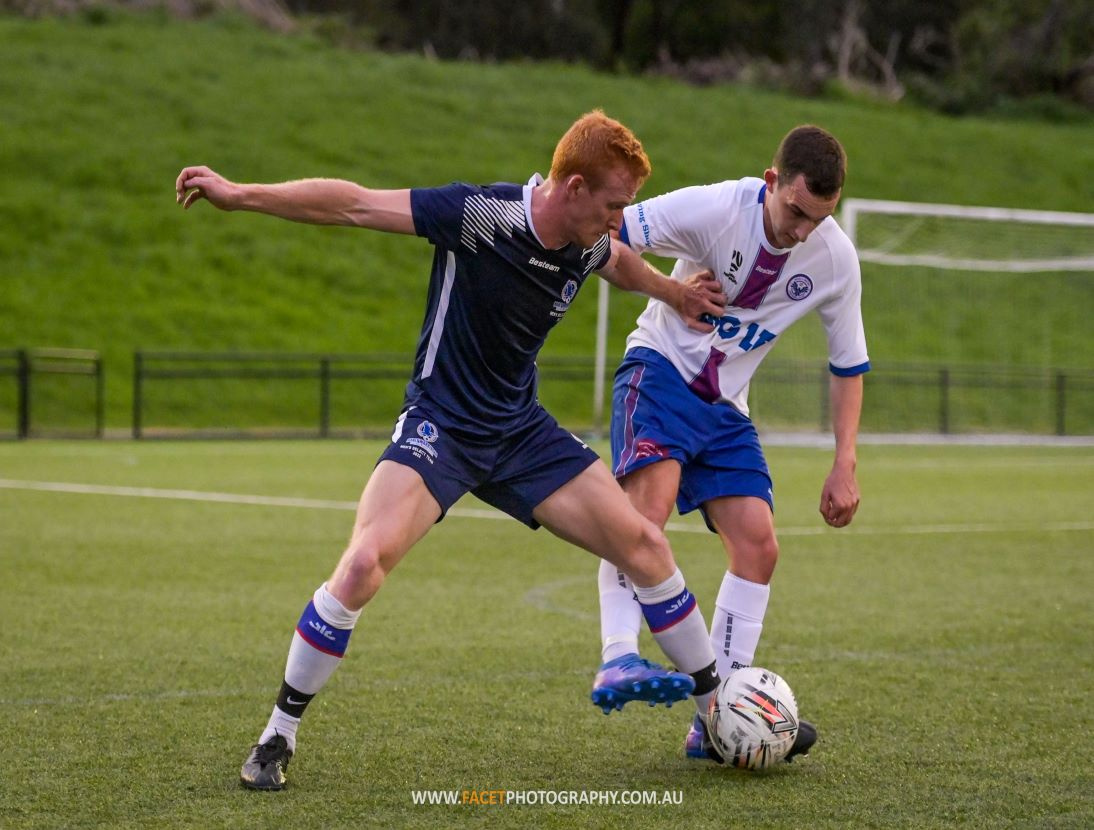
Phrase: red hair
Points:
(596, 143)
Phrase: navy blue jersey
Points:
(494, 294)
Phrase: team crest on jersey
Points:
(421, 445)
(569, 291)
(799, 287)
(645, 448)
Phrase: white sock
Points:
(281, 724)
(308, 668)
(737, 622)
(678, 627)
(620, 613)
(313, 657)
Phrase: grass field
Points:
(942, 645)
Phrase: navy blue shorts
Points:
(656, 416)
(513, 471)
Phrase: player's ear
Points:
(771, 177)
(574, 183)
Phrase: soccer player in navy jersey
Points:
(508, 261)
(681, 434)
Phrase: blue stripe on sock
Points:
(662, 615)
(322, 635)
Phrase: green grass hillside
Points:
(96, 119)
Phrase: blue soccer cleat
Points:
(698, 746)
(695, 740)
(629, 677)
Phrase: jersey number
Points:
(729, 327)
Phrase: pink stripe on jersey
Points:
(706, 384)
(765, 271)
(630, 403)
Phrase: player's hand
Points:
(702, 301)
(196, 183)
(839, 496)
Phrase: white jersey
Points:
(720, 227)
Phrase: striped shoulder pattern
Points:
(483, 216)
(591, 256)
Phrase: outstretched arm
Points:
(840, 494)
(315, 201)
(699, 295)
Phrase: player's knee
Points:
(652, 540)
(360, 569)
(769, 550)
(648, 559)
(755, 561)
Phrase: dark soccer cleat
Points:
(264, 768)
(803, 741)
(698, 746)
(629, 677)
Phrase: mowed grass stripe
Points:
(474, 513)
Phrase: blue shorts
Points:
(656, 416)
(513, 471)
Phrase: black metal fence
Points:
(960, 399)
(909, 397)
(327, 395)
(202, 376)
(50, 393)
(60, 392)
(203, 394)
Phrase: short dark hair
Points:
(816, 154)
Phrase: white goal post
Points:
(600, 367)
(1052, 237)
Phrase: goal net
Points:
(969, 238)
(992, 303)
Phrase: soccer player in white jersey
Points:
(680, 426)
(509, 259)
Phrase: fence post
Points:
(324, 397)
(24, 393)
(944, 401)
(1061, 403)
(100, 398)
(138, 378)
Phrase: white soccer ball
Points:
(753, 719)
